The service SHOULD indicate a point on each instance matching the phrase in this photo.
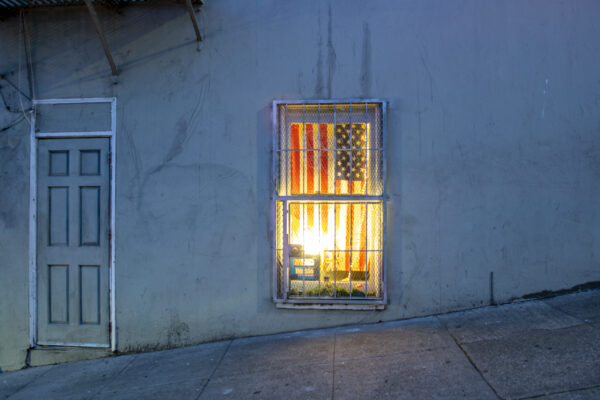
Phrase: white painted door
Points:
(73, 241)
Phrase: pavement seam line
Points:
(394, 353)
(333, 366)
(113, 377)
(541, 331)
(470, 360)
(30, 382)
(583, 320)
(215, 369)
(536, 396)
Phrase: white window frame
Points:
(333, 303)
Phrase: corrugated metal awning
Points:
(16, 4)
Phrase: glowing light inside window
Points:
(331, 177)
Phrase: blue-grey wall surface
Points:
(493, 127)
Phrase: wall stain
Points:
(429, 75)
(331, 56)
(12, 160)
(176, 149)
(319, 87)
(299, 82)
(464, 164)
(133, 155)
(181, 137)
(178, 332)
(365, 66)
(412, 255)
(419, 122)
(591, 157)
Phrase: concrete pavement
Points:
(542, 349)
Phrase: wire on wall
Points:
(26, 44)
(23, 31)
(13, 123)
(3, 78)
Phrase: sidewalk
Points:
(542, 349)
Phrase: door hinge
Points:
(109, 234)
(109, 159)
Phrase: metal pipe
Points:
(96, 21)
(188, 3)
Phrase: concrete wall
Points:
(494, 152)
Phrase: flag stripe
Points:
(324, 176)
(295, 159)
(310, 160)
(294, 208)
(310, 174)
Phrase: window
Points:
(329, 208)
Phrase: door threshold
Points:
(67, 344)
(46, 355)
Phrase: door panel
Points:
(58, 294)
(72, 241)
(58, 215)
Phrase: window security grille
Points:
(329, 202)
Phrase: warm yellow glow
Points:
(349, 245)
(305, 271)
(304, 261)
(311, 242)
(329, 159)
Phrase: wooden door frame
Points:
(34, 137)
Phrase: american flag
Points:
(310, 173)
(344, 169)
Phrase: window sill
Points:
(347, 306)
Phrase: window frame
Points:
(345, 302)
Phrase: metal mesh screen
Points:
(279, 230)
(328, 149)
(335, 249)
(329, 243)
